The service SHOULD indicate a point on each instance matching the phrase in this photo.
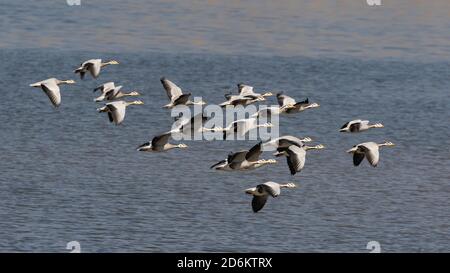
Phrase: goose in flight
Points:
(246, 96)
(294, 107)
(51, 88)
(262, 191)
(358, 125)
(189, 125)
(283, 142)
(93, 66)
(296, 156)
(369, 150)
(272, 110)
(240, 127)
(116, 110)
(112, 92)
(160, 143)
(244, 160)
(176, 96)
(247, 91)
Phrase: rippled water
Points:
(67, 174)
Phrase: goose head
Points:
(136, 102)
(387, 143)
(317, 147)
(182, 146)
(134, 93)
(288, 185)
(377, 125)
(68, 82)
(113, 62)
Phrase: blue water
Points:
(67, 174)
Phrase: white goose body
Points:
(93, 66)
(240, 127)
(358, 125)
(176, 95)
(111, 92)
(370, 150)
(243, 160)
(292, 106)
(116, 110)
(262, 191)
(283, 142)
(160, 143)
(296, 156)
(51, 88)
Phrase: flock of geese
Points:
(291, 147)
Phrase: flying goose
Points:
(240, 127)
(295, 107)
(239, 100)
(247, 90)
(244, 160)
(176, 96)
(116, 110)
(189, 125)
(160, 144)
(358, 125)
(369, 150)
(51, 88)
(93, 66)
(113, 93)
(272, 110)
(262, 191)
(283, 142)
(296, 156)
(246, 96)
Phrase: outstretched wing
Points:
(295, 159)
(52, 90)
(254, 153)
(160, 140)
(258, 202)
(358, 158)
(285, 100)
(172, 90)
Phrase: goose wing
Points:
(258, 202)
(112, 93)
(245, 90)
(237, 156)
(160, 140)
(358, 157)
(286, 141)
(302, 103)
(105, 87)
(271, 188)
(295, 158)
(182, 99)
(117, 111)
(52, 90)
(94, 67)
(254, 153)
(284, 99)
(172, 90)
(371, 150)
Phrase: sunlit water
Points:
(68, 174)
